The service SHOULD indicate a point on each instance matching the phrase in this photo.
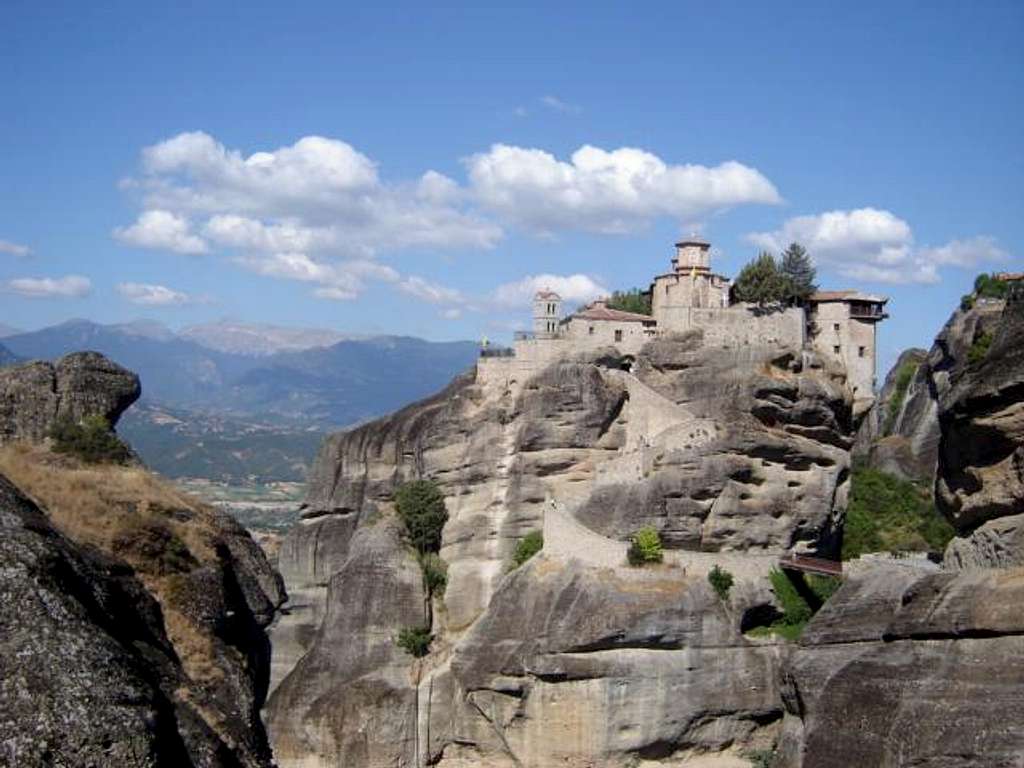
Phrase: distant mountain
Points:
(254, 339)
(8, 330)
(7, 357)
(226, 414)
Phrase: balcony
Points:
(868, 311)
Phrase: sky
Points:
(421, 170)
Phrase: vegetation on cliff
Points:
(887, 514)
(527, 547)
(768, 281)
(645, 547)
(633, 300)
(92, 440)
(903, 378)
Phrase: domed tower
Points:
(682, 298)
(547, 309)
(692, 254)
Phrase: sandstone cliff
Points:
(905, 669)
(573, 659)
(34, 396)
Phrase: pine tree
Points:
(799, 274)
(760, 282)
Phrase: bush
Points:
(721, 581)
(795, 610)
(415, 641)
(528, 546)
(987, 286)
(91, 440)
(761, 758)
(645, 547)
(435, 574)
(979, 348)
(421, 508)
(967, 301)
(887, 514)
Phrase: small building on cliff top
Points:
(837, 325)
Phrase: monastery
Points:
(836, 325)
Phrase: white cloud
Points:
(572, 288)
(874, 245)
(452, 313)
(606, 192)
(433, 293)
(337, 281)
(556, 104)
(70, 286)
(151, 295)
(161, 230)
(14, 249)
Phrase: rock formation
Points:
(904, 440)
(34, 396)
(88, 676)
(742, 450)
(980, 482)
(904, 669)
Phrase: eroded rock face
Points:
(905, 669)
(981, 455)
(87, 675)
(723, 450)
(34, 396)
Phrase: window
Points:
(590, 330)
(835, 326)
(618, 335)
(835, 349)
(860, 351)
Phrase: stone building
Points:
(836, 325)
(842, 325)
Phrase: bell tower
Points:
(692, 254)
(547, 309)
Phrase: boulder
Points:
(36, 395)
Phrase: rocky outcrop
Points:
(723, 450)
(88, 676)
(905, 669)
(34, 396)
(980, 481)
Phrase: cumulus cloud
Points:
(14, 249)
(67, 287)
(434, 293)
(610, 192)
(340, 281)
(572, 288)
(874, 245)
(162, 230)
(151, 295)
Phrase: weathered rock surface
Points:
(723, 450)
(87, 675)
(904, 669)
(981, 455)
(34, 396)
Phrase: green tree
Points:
(760, 282)
(421, 508)
(645, 547)
(415, 641)
(798, 273)
(633, 300)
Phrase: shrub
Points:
(91, 440)
(415, 641)
(761, 758)
(528, 546)
(421, 507)
(987, 286)
(795, 610)
(721, 581)
(967, 301)
(645, 547)
(979, 348)
(888, 514)
(435, 574)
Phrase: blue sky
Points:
(404, 169)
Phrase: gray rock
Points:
(87, 676)
(904, 669)
(34, 396)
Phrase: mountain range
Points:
(287, 386)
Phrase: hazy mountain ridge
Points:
(261, 339)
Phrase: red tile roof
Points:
(616, 315)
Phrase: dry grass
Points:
(137, 516)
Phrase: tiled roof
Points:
(617, 315)
(1009, 276)
(821, 296)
